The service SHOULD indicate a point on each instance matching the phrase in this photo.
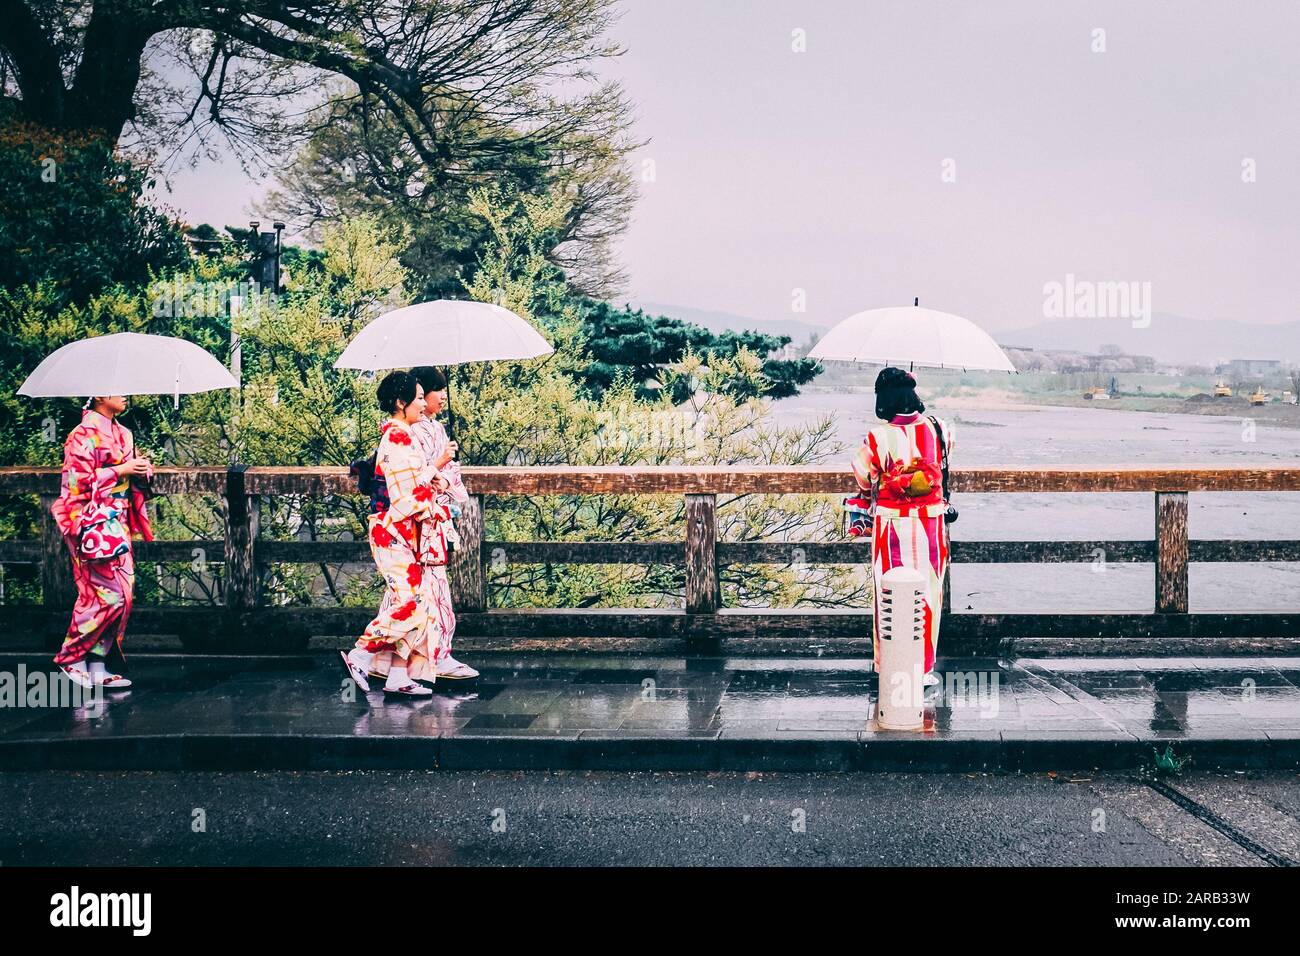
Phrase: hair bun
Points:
(896, 393)
(893, 377)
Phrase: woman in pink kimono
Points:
(900, 463)
(440, 452)
(99, 465)
(406, 639)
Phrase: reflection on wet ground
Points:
(571, 696)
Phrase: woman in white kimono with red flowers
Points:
(406, 639)
(440, 452)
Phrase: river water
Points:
(1096, 437)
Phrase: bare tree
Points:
(251, 70)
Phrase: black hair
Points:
(896, 393)
(396, 387)
(431, 379)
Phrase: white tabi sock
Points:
(98, 670)
(361, 657)
(397, 677)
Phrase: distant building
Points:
(1250, 368)
(1107, 361)
(1110, 360)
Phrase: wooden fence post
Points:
(57, 589)
(1171, 552)
(466, 570)
(703, 592)
(242, 520)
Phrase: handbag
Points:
(103, 536)
(857, 516)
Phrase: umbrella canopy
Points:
(911, 335)
(127, 363)
(446, 332)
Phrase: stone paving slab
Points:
(558, 711)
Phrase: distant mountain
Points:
(1169, 338)
(721, 321)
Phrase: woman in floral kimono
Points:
(99, 463)
(900, 464)
(440, 452)
(406, 639)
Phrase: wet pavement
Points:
(555, 711)
(596, 818)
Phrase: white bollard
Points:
(901, 701)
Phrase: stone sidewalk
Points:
(561, 711)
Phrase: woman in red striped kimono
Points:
(900, 464)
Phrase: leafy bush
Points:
(74, 216)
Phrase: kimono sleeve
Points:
(449, 472)
(80, 466)
(455, 484)
(866, 463)
(410, 483)
(83, 479)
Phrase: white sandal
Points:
(409, 690)
(358, 674)
(112, 681)
(455, 670)
(78, 675)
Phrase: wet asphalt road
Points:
(600, 818)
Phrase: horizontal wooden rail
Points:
(167, 481)
(695, 479)
(701, 556)
(832, 479)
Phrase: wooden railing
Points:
(244, 625)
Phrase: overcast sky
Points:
(775, 170)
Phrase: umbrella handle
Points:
(451, 416)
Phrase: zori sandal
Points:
(78, 675)
(451, 669)
(357, 673)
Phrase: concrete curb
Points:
(844, 752)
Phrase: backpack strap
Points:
(943, 455)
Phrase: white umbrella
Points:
(911, 335)
(127, 363)
(445, 332)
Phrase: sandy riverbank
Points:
(991, 398)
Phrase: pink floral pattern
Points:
(105, 587)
